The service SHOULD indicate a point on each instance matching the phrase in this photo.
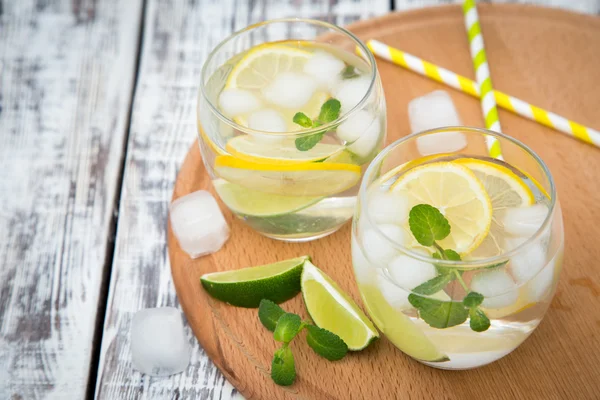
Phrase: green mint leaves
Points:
(349, 72)
(285, 327)
(428, 225)
(330, 111)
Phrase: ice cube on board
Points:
(325, 68)
(496, 286)
(198, 223)
(159, 346)
(435, 110)
(290, 90)
(234, 102)
(524, 221)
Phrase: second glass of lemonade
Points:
(456, 254)
(290, 114)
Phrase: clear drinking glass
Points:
(514, 264)
(290, 176)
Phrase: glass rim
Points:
(478, 263)
(361, 47)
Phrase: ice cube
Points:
(362, 267)
(267, 120)
(394, 295)
(496, 286)
(290, 90)
(325, 68)
(198, 223)
(524, 221)
(159, 346)
(539, 287)
(362, 130)
(388, 207)
(435, 110)
(408, 272)
(379, 250)
(234, 102)
(528, 261)
(351, 91)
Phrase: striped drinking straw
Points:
(482, 72)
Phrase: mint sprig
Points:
(330, 111)
(349, 72)
(285, 327)
(429, 226)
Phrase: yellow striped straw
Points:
(482, 73)
(466, 85)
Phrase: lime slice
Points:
(330, 308)
(505, 189)
(398, 328)
(454, 190)
(307, 179)
(246, 287)
(250, 202)
(281, 152)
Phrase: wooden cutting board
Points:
(547, 57)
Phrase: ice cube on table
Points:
(234, 102)
(198, 223)
(267, 120)
(394, 295)
(159, 346)
(290, 90)
(351, 91)
(496, 286)
(408, 272)
(387, 207)
(325, 68)
(435, 110)
(524, 221)
(379, 250)
(528, 261)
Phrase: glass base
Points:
(301, 238)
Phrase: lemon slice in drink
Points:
(307, 179)
(246, 287)
(259, 204)
(330, 308)
(505, 189)
(454, 190)
(281, 152)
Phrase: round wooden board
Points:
(547, 57)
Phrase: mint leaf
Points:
(330, 111)
(283, 369)
(269, 313)
(451, 255)
(479, 322)
(427, 224)
(288, 326)
(349, 72)
(434, 285)
(305, 143)
(439, 314)
(325, 343)
(472, 299)
(302, 120)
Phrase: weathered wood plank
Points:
(66, 75)
(178, 36)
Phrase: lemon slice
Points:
(505, 189)
(330, 308)
(253, 203)
(454, 190)
(307, 179)
(283, 151)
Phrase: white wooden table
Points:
(97, 110)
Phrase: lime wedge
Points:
(332, 309)
(402, 332)
(246, 287)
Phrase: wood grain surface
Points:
(177, 38)
(544, 56)
(66, 78)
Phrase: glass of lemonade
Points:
(456, 254)
(290, 113)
